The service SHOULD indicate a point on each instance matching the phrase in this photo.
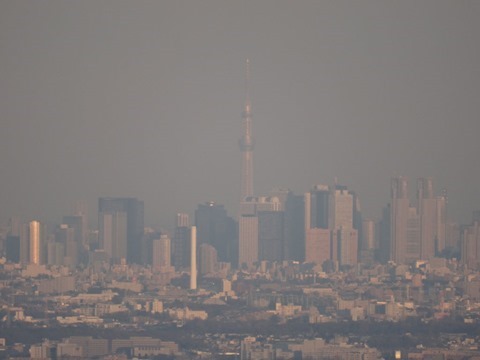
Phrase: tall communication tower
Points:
(247, 142)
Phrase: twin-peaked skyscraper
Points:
(416, 232)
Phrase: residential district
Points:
(295, 277)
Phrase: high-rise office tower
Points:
(367, 244)
(427, 212)
(181, 247)
(193, 258)
(318, 245)
(318, 237)
(368, 229)
(65, 249)
(247, 240)
(77, 222)
(161, 252)
(216, 228)
(384, 236)
(317, 207)
(441, 222)
(14, 224)
(399, 214)
(470, 245)
(248, 227)
(413, 240)
(347, 245)
(247, 143)
(341, 208)
(121, 228)
(271, 235)
(182, 220)
(35, 247)
(181, 241)
(294, 218)
(452, 236)
(294, 228)
(420, 232)
(24, 244)
(12, 248)
(208, 259)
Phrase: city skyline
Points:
(116, 99)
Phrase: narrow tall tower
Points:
(193, 258)
(247, 142)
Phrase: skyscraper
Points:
(294, 230)
(367, 245)
(216, 228)
(341, 205)
(317, 207)
(271, 235)
(120, 222)
(470, 244)
(182, 220)
(399, 213)
(248, 227)
(416, 232)
(66, 239)
(35, 243)
(247, 240)
(181, 247)
(161, 252)
(247, 143)
(427, 211)
(318, 237)
(12, 248)
(340, 208)
(208, 259)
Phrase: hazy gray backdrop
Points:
(144, 99)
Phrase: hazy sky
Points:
(144, 99)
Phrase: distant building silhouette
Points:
(470, 245)
(248, 224)
(399, 212)
(121, 228)
(208, 259)
(216, 228)
(161, 254)
(330, 230)
(294, 218)
(271, 226)
(12, 248)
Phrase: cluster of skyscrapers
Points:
(324, 226)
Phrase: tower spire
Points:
(247, 84)
(246, 141)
